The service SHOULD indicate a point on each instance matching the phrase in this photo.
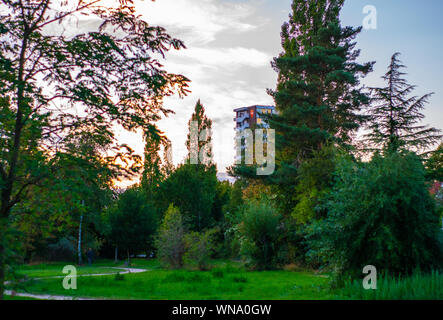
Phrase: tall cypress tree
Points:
(202, 142)
(318, 95)
(152, 166)
(395, 115)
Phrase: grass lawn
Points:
(228, 280)
(55, 269)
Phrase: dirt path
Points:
(57, 297)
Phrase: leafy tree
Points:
(170, 242)
(314, 181)
(222, 197)
(192, 189)
(434, 165)
(200, 247)
(318, 95)
(232, 214)
(78, 190)
(199, 142)
(395, 115)
(379, 213)
(133, 222)
(168, 166)
(259, 230)
(53, 86)
(152, 165)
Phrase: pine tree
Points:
(395, 115)
(199, 143)
(318, 96)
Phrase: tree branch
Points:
(66, 14)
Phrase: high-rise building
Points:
(248, 117)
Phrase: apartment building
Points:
(248, 117)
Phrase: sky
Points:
(230, 44)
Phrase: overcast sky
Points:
(230, 44)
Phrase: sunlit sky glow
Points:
(230, 45)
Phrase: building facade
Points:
(250, 117)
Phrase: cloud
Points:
(199, 21)
(225, 57)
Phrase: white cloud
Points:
(225, 57)
(201, 20)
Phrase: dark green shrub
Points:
(62, 250)
(199, 247)
(379, 213)
(119, 277)
(170, 241)
(259, 232)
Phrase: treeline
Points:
(353, 164)
(337, 200)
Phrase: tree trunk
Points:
(2, 262)
(116, 255)
(129, 259)
(80, 241)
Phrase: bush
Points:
(170, 241)
(62, 250)
(119, 277)
(259, 231)
(199, 247)
(133, 222)
(379, 213)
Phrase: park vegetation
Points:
(335, 203)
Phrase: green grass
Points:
(55, 269)
(228, 280)
(416, 287)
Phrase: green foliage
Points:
(192, 189)
(418, 286)
(395, 115)
(318, 96)
(119, 277)
(259, 231)
(133, 222)
(218, 273)
(199, 248)
(240, 279)
(314, 181)
(170, 241)
(152, 166)
(232, 215)
(62, 250)
(160, 284)
(55, 88)
(379, 213)
(434, 165)
(199, 142)
(222, 198)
